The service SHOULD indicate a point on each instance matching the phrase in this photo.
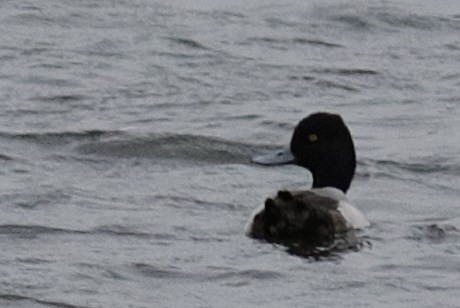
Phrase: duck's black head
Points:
(322, 143)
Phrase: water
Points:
(127, 127)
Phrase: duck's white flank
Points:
(348, 211)
(353, 215)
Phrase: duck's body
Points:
(298, 215)
(352, 214)
(321, 143)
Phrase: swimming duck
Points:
(322, 144)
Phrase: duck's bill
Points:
(278, 157)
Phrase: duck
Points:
(322, 144)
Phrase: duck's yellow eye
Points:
(312, 137)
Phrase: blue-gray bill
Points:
(278, 157)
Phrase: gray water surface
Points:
(127, 129)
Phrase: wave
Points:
(32, 231)
(22, 298)
(186, 202)
(283, 42)
(5, 157)
(213, 274)
(415, 21)
(441, 175)
(434, 233)
(430, 165)
(119, 230)
(121, 144)
(390, 20)
(348, 71)
(35, 200)
(64, 98)
(161, 272)
(187, 42)
(56, 138)
(327, 84)
(179, 147)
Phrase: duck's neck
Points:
(338, 177)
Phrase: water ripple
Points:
(430, 165)
(33, 231)
(5, 157)
(183, 147)
(435, 233)
(187, 42)
(348, 71)
(56, 138)
(225, 275)
(48, 303)
(64, 98)
(186, 202)
(328, 84)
